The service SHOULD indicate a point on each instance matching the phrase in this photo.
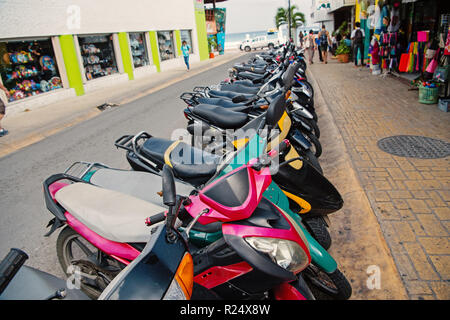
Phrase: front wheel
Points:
(327, 286)
(247, 49)
(311, 159)
(315, 143)
(318, 229)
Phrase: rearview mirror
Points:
(275, 111)
(288, 76)
(168, 186)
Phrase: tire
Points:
(327, 286)
(271, 46)
(65, 256)
(318, 229)
(312, 159)
(247, 49)
(315, 142)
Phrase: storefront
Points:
(56, 56)
(28, 67)
(98, 56)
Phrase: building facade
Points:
(54, 49)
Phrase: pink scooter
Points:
(261, 254)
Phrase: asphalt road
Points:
(23, 216)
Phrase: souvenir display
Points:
(139, 50)
(165, 43)
(27, 68)
(98, 56)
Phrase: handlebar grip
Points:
(283, 146)
(155, 219)
(10, 265)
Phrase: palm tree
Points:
(282, 16)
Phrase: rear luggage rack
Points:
(79, 169)
(191, 98)
(131, 144)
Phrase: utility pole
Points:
(289, 19)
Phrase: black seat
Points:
(239, 88)
(251, 76)
(225, 103)
(221, 117)
(254, 69)
(228, 94)
(189, 164)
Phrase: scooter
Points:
(169, 276)
(319, 256)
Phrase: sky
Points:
(257, 15)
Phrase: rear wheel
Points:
(318, 229)
(327, 286)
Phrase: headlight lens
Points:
(285, 253)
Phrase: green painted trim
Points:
(202, 38)
(71, 63)
(178, 40)
(125, 53)
(154, 48)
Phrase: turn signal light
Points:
(185, 275)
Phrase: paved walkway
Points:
(410, 197)
(32, 126)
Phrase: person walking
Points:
(317, 44)
(300, 38)
(358, 43)
(3, 132)
(324, 43)
(310, 45)
(185, 49)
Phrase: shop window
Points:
(28, 68)
(166, 45)
(186, 36)
(98, 56)
(139, 49)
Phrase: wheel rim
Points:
(321, 280)
(76, 249)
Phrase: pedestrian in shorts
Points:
(3, 132)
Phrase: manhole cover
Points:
(415, 147)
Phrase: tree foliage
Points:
(282, 16)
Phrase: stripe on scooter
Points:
(306, 207)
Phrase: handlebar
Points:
(10, 265)
(155, 218)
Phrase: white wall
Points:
(32, 18)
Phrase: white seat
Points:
(113, 215)
(142, 185)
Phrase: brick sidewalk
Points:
(410, 197)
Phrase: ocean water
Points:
(241, 36)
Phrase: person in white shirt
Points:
(358, 43)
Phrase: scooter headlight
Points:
(285, 253)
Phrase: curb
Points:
(359, 245)
(29, 139)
